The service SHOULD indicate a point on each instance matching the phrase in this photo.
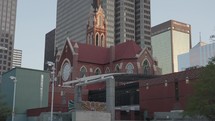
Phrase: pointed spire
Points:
(200, 38)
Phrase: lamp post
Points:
(14, 96)
(51, 64)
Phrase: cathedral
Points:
(79, 60)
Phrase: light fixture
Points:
(165, 83)
(147, 86)
(187, 80)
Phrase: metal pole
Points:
(14, 99)
(53, 78)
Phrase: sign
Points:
(71, 105)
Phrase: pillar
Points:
(110, 97)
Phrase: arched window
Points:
(129, 68)
(83, 71)
(146, 67)
(102, 40)
(92, 39)
(97, 39)
(89, 39)
(100, 20)
(97, 71)
(107, 70)
(117, 68)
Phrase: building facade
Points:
(96, 28)
(32, 89)
(198, 56)
(72, 16)
(170, 39)
(17, 58)
(7, 33)
(78, 60)
(133, 22)
(49, 54)
(125, 20)
(167, 93)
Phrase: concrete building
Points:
(170, 39)
(133, 22)
(32, 89)
(17, 58)
(198, 56)
(49, 54)
(7, 33)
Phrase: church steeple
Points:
(96, 4)
(96, 27)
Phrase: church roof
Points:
(93, 54)
(100, 55)
(127, 50)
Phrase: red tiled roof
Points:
(100, 55)
(127, 50)
(92, 54)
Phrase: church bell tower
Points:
(96, 27)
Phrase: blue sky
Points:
(35, 18)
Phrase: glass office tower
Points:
(7, 33)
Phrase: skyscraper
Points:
(133, 22)
(49, 54)
(7, 33)
(170, 39)
(72, 16)
(72, 19)
(17, 58)
(126, 20)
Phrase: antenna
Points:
(200, 37)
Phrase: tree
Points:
(4, 109)
(202, 101)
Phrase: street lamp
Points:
(51, 64)
(14, 96)
(212, 37)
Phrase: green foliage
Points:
(4, 109)
(202, 102)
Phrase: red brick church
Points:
(78, 60)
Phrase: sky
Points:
(35, 18)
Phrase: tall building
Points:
(72, 19)
(170, 39)
(133, 22)
(7, 33)
(198, 56)
(109, 11)
(125, 20)
(72, 16)
(17, 58)
(49, 54)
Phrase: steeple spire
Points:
(96, 4)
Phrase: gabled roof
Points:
(100, 55)
(92, 54)
(127, 50)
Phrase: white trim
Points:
(128, 64)
(97, 69)
(107, 69)
(83, 67)
(116, 66)
(94, 78)
(148, 62)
